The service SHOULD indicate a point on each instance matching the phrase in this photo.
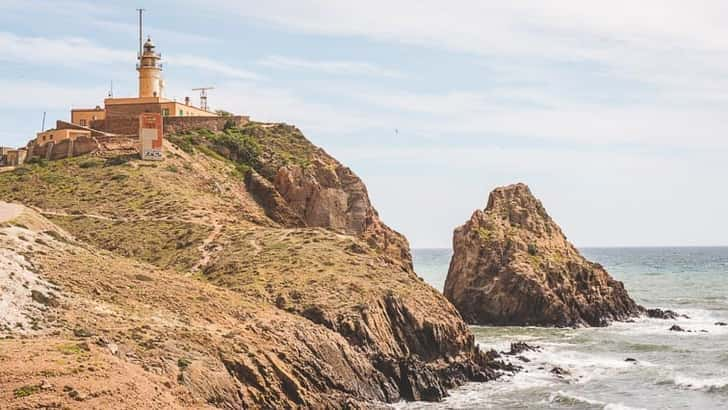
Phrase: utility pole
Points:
(141, 36)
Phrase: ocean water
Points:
(673, 370)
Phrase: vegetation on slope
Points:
(194, 213)
(262, 147)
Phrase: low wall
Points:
(172, 125)
(63, 149)
(117, 125)
(63, 125)
(126, 140)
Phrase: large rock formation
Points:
(248, 270)
(512, 265)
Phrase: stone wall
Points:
(172, 125)
(63, 149)
(63, 125)
(131, 110)
(118, 125)
(120, 134)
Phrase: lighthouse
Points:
(120, 115)
(150, 72)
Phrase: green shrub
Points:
(41, 162)
(89, 164)
(119, 177)
(242, 169)
(184, 141)
(183, 363)
(532, 250)
(118, 160)
(25, 391)
(243, 148)
(229, 124)
(484, 234)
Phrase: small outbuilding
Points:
(57, 135)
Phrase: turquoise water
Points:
(673, 370)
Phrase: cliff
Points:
(512, 265)
(249, 269)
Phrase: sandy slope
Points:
(9, 212)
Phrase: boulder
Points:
(512, 265)
(666, 314)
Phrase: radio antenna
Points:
(141, 36)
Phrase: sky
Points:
(614, 113)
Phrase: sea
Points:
(671, 370)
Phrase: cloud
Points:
(571, 28)
(80, 52)
(132, 31)
(213, 66)
(40, 95)
(59, 7)
(651, 71)
(277, 104)
(73, 52)
(352, 68)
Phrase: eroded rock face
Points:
(329, 195)
(512, 265)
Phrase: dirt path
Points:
(9, 212)
(93, 216)
(206, 249)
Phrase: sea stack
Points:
(512, 265)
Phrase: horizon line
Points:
(608, 247)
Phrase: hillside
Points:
(249, 269)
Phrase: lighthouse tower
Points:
(150, 72)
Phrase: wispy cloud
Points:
(60, 7)
(350, 68)
(47, 96)
(213, 66)
(80, 52)
(131, 30)
(58, 51)
(278, 104)
(658, 65)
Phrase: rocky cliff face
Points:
(512, 265)
(247, 270)
(327, 194)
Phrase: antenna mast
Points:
(203, 96)
(141, 36)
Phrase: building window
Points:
(83, 123)
(165, 112)
(181, 113)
